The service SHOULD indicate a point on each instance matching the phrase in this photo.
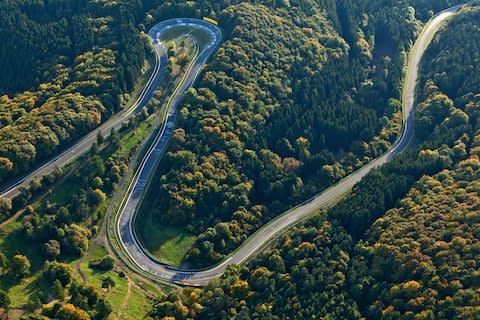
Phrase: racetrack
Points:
(130, 245)
(143, 260)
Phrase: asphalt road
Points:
(201, 277)
(12, 188)
(147, 168)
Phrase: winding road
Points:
(146, 262)
(124, 231)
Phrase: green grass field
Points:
(13, 241)
(132, 139)
(167, 243)
(137, 305)
(21, 291)
(62, 191)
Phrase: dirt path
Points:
(85, 257)
(12, 218)
(127, 297)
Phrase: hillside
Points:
(287, 107)
(298, 95)
(417, 260)
(420, 258)
(86, 56)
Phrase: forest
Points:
(300, 94)
(285, 108)
(272, 121)
(88, 57)
(402, 246)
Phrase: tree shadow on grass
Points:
(8, 281)
(38, 287)
(16, 242)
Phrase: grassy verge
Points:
(167, 243)
(172, 83)
(134, 138)
(200, 36)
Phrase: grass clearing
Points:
(12, 242)
(202, 37)
(167, 243)
(26, 290)
(62, 191)
(137, 307)
(21, 291)
(138, 304)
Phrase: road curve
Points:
(12, 188)
(149, 264)
(146, 170)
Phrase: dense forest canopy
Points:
(417, 260)
(93, 52)
(59, 31)
(420, 258)
(93, 49)
(299, 95)
(65, 65)
(454, 71)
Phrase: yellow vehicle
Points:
(210, 20)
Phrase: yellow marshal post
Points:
(210, 20)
